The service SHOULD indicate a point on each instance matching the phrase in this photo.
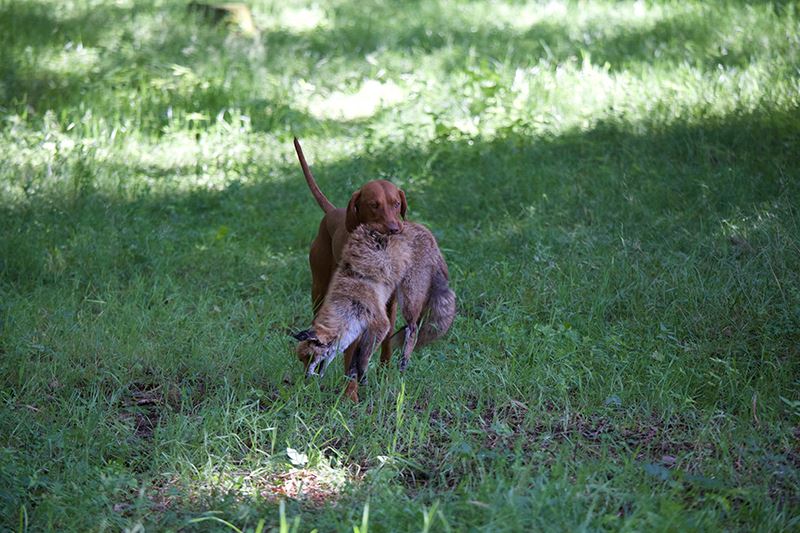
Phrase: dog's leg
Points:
(351, 390)
(386, 345)
(377, 330)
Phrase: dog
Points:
(354, 309)
(380, 206)
(373, 265)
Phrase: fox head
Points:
(309, 346)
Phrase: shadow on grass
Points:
(660, 186)
(488, 201)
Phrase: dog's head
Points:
(379, 205)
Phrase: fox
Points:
(373, 266)
(354, 307)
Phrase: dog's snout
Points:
(393, 228)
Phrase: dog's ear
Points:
(403, 204)
(351, 221)
(305, 335)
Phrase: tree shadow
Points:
(459, 185)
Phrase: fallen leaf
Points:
(296, 458)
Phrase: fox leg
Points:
(409, 342)
(358, 367)
(357, 373)
(386, 345)
(348, 356)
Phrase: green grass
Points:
(615, 186)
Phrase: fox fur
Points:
(355, 305)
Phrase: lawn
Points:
(615, 186)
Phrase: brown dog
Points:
(379, 205)
(355, 306)
(354, 309)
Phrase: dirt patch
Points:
(650, 439)
(511, 428)
(141, 408)
(144, 403)
(306, 485)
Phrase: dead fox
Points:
(372, 266)
(354, 307)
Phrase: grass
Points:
(614, 185)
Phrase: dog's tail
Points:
(438, 316)
(323, 202)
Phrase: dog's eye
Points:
(374, 205)
(396, 205)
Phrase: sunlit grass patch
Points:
(318, 486)
(362, 104)
(293, 18)
(75, 60)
